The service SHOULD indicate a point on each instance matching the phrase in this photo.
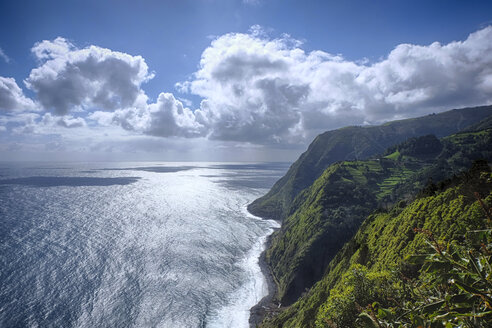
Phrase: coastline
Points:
(259, 311)
(245, 309)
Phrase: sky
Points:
(227, 80)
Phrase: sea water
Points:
(131, 244)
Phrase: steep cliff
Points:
(356, 143)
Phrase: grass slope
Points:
(330, 211)
(379, 246)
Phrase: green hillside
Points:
(355, 143)
(370, 267)
(329, 212)
(483, 124)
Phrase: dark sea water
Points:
(131, 244)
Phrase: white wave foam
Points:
(236, 314)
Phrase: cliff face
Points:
(325, 214)
(356, 143)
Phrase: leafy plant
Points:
(454, 290)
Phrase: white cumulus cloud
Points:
(78, 79)
(167, 117)
(12, 98)
(32, 123)
(254, 89)
(270, 90)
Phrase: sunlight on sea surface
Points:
(131, 244)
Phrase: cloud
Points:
(417, 79)
(25, 123)
(254, 90)
(252, 2)
(167, 117)
(46, 50)
(71, 79)
(64, 121)
(267, 90)
(4, 56)
(32, 123)
(248, 91)
(12, 98)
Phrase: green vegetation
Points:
(423, 147)
(346, 226)
(369, 276)
(330, 211)
(356, 143)
(454, 289)
(482, 125)
(395, 156)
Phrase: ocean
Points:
(131, 244)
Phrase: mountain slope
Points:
(379, 246)
(330, 211)
(353, 143)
